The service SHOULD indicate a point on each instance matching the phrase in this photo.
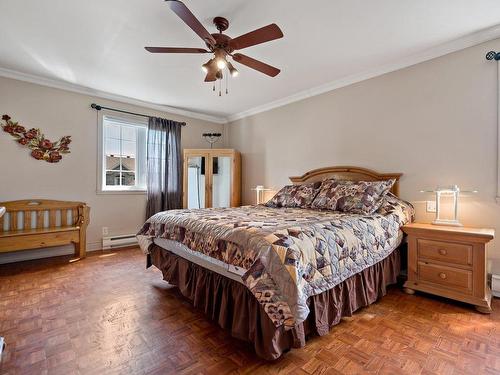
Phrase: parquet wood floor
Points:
(108, 315)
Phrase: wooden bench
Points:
(39, 223)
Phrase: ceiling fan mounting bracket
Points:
(221, 23)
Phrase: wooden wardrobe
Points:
(212, 178)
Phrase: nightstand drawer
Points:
(448, 252)
(454, 278)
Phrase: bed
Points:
(273, 276)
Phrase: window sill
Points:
(121, 192)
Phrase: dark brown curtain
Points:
(164, 166)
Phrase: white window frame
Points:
(101, 160)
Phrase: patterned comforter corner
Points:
(290, 253)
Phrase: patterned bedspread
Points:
(290, 253)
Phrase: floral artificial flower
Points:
(54, 157)
(37, 154)
(30, 134)
(46, 144)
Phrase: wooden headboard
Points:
(347, 173)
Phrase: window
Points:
(122, 154)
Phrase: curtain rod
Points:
(98, 107)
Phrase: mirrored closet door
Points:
(212, 178)
(195, 173)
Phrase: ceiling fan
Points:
(221, 45)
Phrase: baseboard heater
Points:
(118, 241)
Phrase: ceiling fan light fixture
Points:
(232, 70)
(221, 63)
(220, 58)
(207, 66)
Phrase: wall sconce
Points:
(453, 192)
(259, 190)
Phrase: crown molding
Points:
(49, 82)
(465, 41)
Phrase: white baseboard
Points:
(19, 256)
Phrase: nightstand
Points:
(449, 262)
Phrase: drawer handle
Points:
(442, 275)
(442, 251)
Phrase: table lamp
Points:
(259, 190)
(453, 192)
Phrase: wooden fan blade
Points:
(185, 14)
(256, 64)
(262, 35)
(175, 50)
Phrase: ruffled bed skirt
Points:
(235, 309)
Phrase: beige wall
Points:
(436, 122)
(59, 113)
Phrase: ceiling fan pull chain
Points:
(220, 92)
(227, 80)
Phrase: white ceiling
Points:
(99, 44)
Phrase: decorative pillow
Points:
(360, 197)
(394, 205)
(295, 196)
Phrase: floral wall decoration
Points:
(41, 147)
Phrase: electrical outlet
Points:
(431, 206)
(105, 231)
